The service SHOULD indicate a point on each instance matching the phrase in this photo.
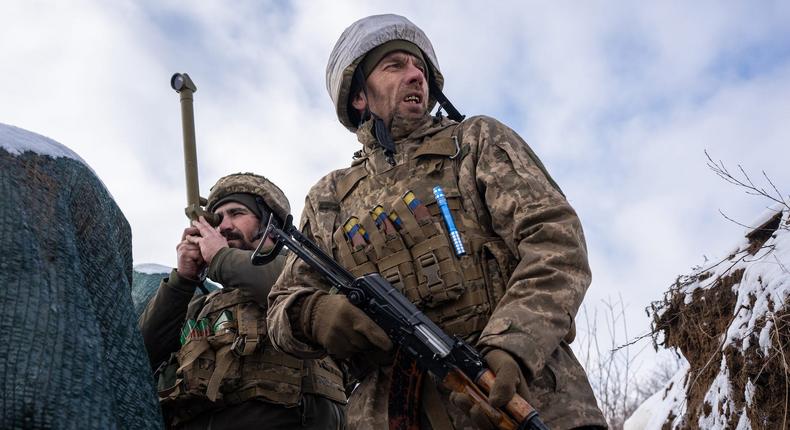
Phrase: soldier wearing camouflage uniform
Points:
(513, 294)
(216, 367)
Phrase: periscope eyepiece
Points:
(180, 81)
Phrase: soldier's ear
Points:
(360, 102)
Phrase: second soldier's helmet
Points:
(264, 192)
(359, 39)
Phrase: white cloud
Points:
(619, 100)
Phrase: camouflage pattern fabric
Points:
(505, 190)
(70, 352)
(252, 184)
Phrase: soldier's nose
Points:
(414, 73)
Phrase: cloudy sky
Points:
(619, 99)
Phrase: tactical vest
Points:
(457, 292)
(226, 358)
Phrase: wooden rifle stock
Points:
(518, 413)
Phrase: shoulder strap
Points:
(349, 179)
(442, 143)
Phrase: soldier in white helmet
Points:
(510, 282)
(215, 366)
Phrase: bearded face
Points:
(239, 225)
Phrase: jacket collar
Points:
(405, 146)
(427, 126)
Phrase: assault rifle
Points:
(451, 360)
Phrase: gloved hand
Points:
(342, 328)
(509, 381)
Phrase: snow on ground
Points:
(653, 412)
(762, 292)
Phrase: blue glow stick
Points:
(455, 237)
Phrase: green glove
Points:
(331, 321)
(509, 381)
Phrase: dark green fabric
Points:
(375, 55)
(246, 199)
(314, 413)
(164, 313)
(70, 352)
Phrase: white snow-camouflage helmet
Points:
(359, 39)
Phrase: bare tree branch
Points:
(720, 169)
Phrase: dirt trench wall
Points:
(731, 321)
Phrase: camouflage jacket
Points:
(506, 193)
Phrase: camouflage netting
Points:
(70, 352)
(731, 321)
(145, 281)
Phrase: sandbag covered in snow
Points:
(70, 350)
(731, 320)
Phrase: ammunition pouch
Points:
(228, 360)
(457, 292)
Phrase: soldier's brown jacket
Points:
(505, 192)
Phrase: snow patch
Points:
(765, 337)
(665, 403)
(748, 393)
(17, 141)
(743, 422)
(764, 217)
(718, 398)
(152, 269)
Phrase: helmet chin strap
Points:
(444, 102)
(380, 130)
